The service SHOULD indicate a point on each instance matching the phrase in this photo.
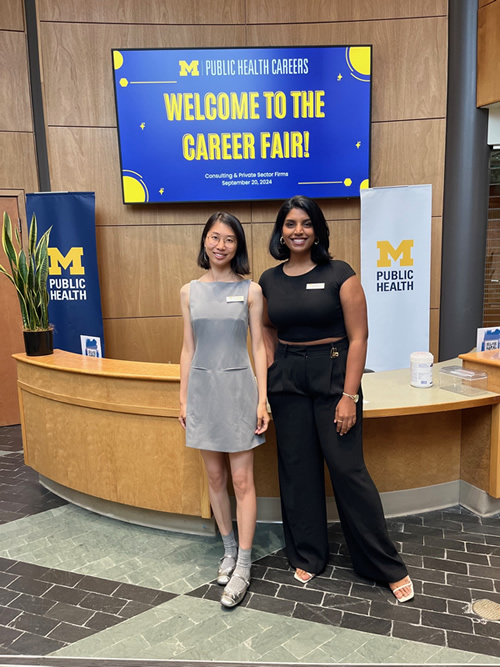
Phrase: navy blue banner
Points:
(73, 282)
(243, 123)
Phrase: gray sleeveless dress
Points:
(222, 391)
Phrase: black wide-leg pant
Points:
(305, 384)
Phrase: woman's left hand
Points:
(345, 415)
(262, 419)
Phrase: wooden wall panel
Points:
(18, 168)
(410, 154)
(77, 70)
(409, 60)
(261, 259)
(151, 339)
(15, 102)
(12, 15)
(196, 12)
(87, 159)
(142, 269)
(345, 239)
(434, 333)
(334, 209)
(18, 161)
(488, 54)
(318, 11)
(436, 248)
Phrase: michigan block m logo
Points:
(402, 252)
(189, 68)
(73, 257)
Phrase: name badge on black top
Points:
(315, 286)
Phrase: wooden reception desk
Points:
(490, 363)
(104, 434)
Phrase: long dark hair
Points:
(319, 251)
(239, 263)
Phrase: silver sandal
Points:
(231, 599)
(226, 569)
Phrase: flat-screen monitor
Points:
(243, 124)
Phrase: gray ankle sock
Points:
(244, 563)
(230, 545)
(241, 575)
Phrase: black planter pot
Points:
(38, 343)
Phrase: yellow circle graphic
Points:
(117, 59)
(135, 190)
(358, 60)
(347, 182)
(364, 184)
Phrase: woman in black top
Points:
(316, 332)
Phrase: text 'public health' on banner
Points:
(395, 272)
(73, 280)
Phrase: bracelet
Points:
(353, 397)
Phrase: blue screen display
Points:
(243, 124)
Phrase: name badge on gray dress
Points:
(233, 299)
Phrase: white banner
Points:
(395, 272)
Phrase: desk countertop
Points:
(77, 363)
(389, 394)
(488, 358)
(386, 394)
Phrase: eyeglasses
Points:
(215, 239)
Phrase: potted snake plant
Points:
(28, 273)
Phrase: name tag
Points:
(233, 299)
(315, 286)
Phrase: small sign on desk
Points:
(488, 338)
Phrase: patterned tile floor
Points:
(453, 558)
(76, 585)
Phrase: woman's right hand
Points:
(262, 418)
(182, 416)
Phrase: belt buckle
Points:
(334, 353)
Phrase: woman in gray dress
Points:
(222, 407)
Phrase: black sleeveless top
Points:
(307, 307)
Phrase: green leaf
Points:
(45, 310)
(18, 238)
(32, 235)
(42, 248)
(24, 313)
(31, 273)
(23, 268)
(6, 273)
(20, 296)
(43, 267)
(6, 229)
